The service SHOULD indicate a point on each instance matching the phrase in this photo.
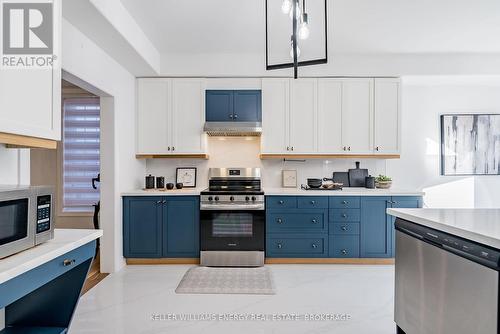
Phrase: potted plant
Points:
(383, 182)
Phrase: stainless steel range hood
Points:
(233, 129)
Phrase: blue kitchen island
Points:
(40, 287)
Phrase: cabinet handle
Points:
(314, 221)
(169, 148)
(349, 148)
(314, 246)
(313, 202)
(281, 202)
(279, 221)
(288, 148)
(164, 201)
(279, 245)
(231, 116)
(343, 228)
(344, 215)
(158, 202)
(292, 148)
(235, 116)
(344, 252)
(345, 148)
(345, 202)
(377, 148)
(173, 148)
(68, 262)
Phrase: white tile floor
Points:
(124, 302)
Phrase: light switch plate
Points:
(289, 178)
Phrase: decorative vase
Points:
(383, 184)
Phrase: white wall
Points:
(14, 166)
(120, 170)
(424, 100)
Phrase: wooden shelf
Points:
(172, 156)
(329, 156)
(18, 141)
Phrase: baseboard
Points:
(268, 261)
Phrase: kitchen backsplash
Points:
(244, 152)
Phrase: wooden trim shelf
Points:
(172, 156)
(131, 261)
(19, 141)
(329, 156)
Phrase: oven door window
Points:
(13, 220)
(239, 225)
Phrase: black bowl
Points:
(314, 183)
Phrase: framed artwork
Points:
(313, 50)
(186, 176)
(470, 144)
(289, 178)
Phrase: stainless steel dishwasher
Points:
(444, 284)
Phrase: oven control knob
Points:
(210, 198)
(254, 198)
(216, 198)
(231, 198)
(247, 198)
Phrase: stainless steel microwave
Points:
(26, 217)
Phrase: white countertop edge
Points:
(285, 192)
(63, 242)
(412, 216)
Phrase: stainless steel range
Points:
(232, 219)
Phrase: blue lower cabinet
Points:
(344, 246)
(376, 232)
(181, 236)
(155, 226)
(402, 202)
(142, 226)
(347, 228)
(345, 215)
(297, 245)
(344, 202)
(281, 202)
(297, 221)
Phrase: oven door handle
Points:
(212, 207)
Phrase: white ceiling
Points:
(356, 26)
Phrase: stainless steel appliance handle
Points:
(232, 207)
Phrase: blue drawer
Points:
(281, 202)
(304, 221)
(344, 228)
(283, 245)
(345, 215)
(312, 202)
(344, 202)
(344, 246)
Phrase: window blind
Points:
(81, 133)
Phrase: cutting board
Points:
(357, 176)
(341, 177)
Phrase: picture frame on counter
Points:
(289, 178)
(186, 176)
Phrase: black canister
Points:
(160, 182)
(150, 182)
(170, 186)
(370, 182)
(179, 185)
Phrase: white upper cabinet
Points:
(387, 116)
(154, 114)
(303, 116)
(329, 116)
(357, 116)
(170, 116)
(30, 98)
(188, 116)
(275, 116)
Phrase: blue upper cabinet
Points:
(247, 106)
(181, 237)
(219, 105)
(233, 105)
(142, 225)
(376, 233)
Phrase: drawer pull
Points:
(345, 202)
(158, 202)
(279, 221)
(313, 202)
(68, 262)
(279, 245)
(343, 228)
(281, 202)
(344, 252)
(314, 246)
(314, 221)
(344, 215)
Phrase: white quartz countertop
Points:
(351, 191)
(65, 240)
(479, 225)
(347, 191)
(165, 192)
